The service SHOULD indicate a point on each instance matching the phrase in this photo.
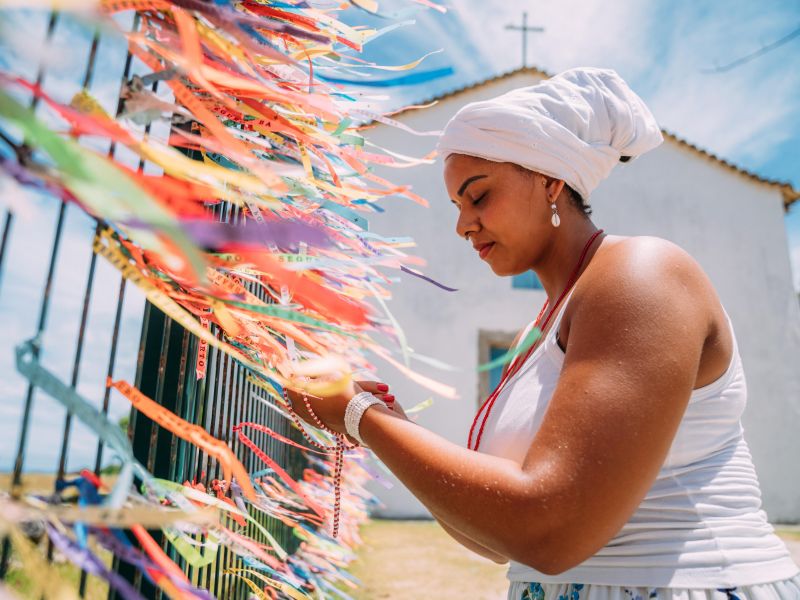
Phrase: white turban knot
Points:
(574, 126)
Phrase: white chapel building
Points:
(730, 220)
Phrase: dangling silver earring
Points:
(555, 219)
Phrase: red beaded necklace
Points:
(519, 361)
(339, 449)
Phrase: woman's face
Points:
(502, 209)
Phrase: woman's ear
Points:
(553, 188)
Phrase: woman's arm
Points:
(634, 348)
(469, 543)
(476, 494)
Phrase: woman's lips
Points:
(485, 250)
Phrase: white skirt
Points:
(788, 589)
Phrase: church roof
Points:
(790, 194)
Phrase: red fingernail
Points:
(382, 387)
(389, 398)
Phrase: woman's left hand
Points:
(330, 409)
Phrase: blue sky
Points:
(750, 115)
(664, 49)
(25, 266)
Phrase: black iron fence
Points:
(96, 342)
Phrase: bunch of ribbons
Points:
(259, 120)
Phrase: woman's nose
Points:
(466, 222)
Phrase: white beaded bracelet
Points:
(356, 408)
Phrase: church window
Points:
(526, 281)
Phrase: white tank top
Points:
(700, 524)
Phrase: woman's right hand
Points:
(381, 390)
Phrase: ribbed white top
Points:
(700, 524)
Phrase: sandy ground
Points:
(408, 560)
(791, 536)
(794, 548)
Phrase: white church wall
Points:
(730, 224)
(734, 228)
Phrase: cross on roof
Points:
(525, 30)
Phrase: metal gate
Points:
(86, 324)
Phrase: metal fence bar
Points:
(4, 241)
(87, 76)
(9, 220)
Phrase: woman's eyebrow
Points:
(467, 182)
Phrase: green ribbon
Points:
(28, 366)
(530, 339)
(188, 551)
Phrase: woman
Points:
(610, 461)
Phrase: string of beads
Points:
(338, 449)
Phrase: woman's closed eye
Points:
(479, 199)
(474, 202)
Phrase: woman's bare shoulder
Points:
(627, 273)
(644, 249)
(634, 263)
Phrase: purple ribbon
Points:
(85, 560)
(426, 278)
(136, 558)
(286, 233)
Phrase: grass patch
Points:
(21, 581)
(788, 534)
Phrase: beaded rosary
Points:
(339, 449)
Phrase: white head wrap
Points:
(574, 126)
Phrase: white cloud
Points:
(743, 114)
(576, 33)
